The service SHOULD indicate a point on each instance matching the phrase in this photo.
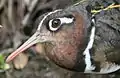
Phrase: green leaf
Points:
(3, 65)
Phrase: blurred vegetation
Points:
(3, 65)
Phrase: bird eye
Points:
(54, 24)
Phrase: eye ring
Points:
(54, 24)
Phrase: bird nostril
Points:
(38, 35)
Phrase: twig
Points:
(31, 8)
(10, 14)
(7, 51)
(107, 8)
(2, 2)
(33, 4)
(1, 26)
(79, 2)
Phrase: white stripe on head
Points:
(40, 24)
(88, 62)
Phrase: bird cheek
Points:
(46, 36)
(63, 55)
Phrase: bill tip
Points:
(7, 60)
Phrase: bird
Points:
(75, 41)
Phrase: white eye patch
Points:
(66, 20)
(55, 24)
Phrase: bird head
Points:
(64, 34)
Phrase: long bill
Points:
(31, 41)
